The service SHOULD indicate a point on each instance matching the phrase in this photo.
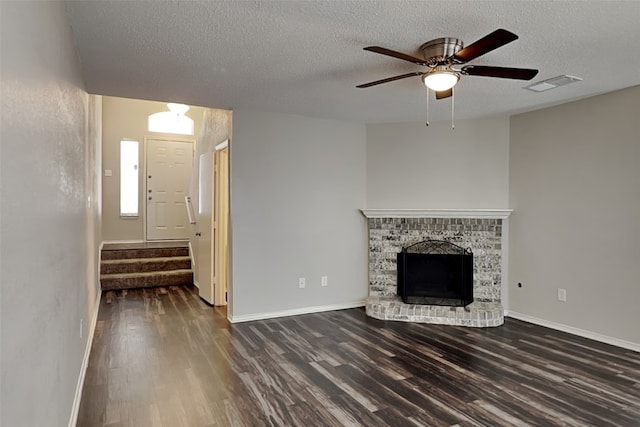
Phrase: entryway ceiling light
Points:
(440, 78)
(179, 109)
(172, 121)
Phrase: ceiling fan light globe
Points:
(440, 80)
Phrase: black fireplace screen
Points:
(435, 272)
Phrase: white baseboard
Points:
(85, 363)
(111, 242)
(294, 312)
(575, 331)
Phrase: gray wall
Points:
(411, 166)
(575, 189)
(128, 118)
(297, 185)
(49, 215)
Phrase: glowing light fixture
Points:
(178, 109)
(172, 121)
(440, 78)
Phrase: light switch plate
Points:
(562, 295)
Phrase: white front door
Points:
(169, 165)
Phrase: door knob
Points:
(149, 197)
(198, 234)
(149, 191)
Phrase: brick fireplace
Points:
(483, 231)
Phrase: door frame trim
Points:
(220, 295)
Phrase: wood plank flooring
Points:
(162, 357)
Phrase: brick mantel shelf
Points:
(437, 213)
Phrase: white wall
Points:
(411, 166)
(575, 191)
(46, 202)
(296, 186)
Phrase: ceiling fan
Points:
(442, 55)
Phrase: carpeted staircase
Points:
(145, 265)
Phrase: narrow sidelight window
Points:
(129, 178)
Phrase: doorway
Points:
(213, 224)
(168, 173)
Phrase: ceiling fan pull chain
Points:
(453, 103)
(427, 107)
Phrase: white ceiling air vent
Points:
(553, 83)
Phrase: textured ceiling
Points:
(306, 57)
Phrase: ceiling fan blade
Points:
(444, 94)
(395, 54)
(501, 72)
(390, 79)
(486, 44)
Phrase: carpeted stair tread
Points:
(139, 265)
(146, 279)
(145, 274)
(132, 260)
(146, 245)
(113, 254)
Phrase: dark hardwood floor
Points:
(162, 357)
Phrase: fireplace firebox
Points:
(435, 272)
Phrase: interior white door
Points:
(169, 166)
(204, 221)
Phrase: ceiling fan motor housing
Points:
(438, 50)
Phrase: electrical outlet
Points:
(81, 321)
(562, 295)
(301, 282)
(324, 281)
